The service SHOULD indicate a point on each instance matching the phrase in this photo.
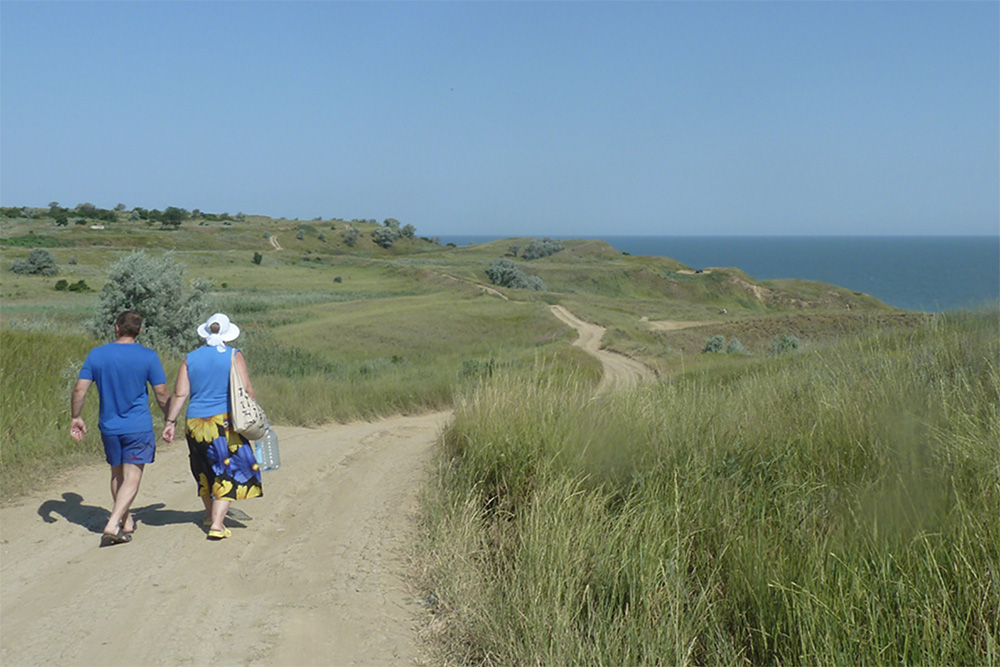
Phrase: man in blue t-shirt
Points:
(121, 371)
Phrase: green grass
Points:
(832, 507)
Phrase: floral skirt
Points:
(222, 460)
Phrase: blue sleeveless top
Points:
(208, 373)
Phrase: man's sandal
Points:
(111, 539)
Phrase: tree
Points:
(154, 288)
(173, 217)
(391, 223)
(408, 230)
(120, 207)
(53, 204)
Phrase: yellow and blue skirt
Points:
(222, 460)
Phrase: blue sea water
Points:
(921, 273)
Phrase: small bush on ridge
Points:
(505, 273)
(714, 343)
(783, 343)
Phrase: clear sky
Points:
(510, 118)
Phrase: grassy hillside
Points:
(834, 507)
(339, 328)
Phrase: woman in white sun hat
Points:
(222, 460)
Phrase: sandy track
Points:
(619, 370)
(274, 242)
(317, 577)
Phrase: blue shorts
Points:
(134, 448)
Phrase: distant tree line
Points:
(172, 217)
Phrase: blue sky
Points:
(562, 118)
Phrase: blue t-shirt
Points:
(121, 372)
(208, 373)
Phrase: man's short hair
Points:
(129, 324)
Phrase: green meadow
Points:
(836, 503)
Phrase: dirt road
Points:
(619, 370)
(317, 577)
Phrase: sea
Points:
(921, 273)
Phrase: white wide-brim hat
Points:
(227, 330)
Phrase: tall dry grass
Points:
(835, 507)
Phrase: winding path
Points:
(619, 370)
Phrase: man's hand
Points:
(168, 432)
(77, 429)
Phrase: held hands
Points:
(169, 431)
(77, 429)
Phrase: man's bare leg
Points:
(124, 488)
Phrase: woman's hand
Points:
(169, 431)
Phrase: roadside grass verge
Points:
(832, 507)
(37, 373)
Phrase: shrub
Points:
(80, 286)
(39, 262)
(783, 343)
(409, 231)
(736, 347)
(715, 343)
(505, 273)
(350, 236)
(301, 234)
(538, 249)
(258, 258)
(154, 288)
(61, 285)
(385, 236)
